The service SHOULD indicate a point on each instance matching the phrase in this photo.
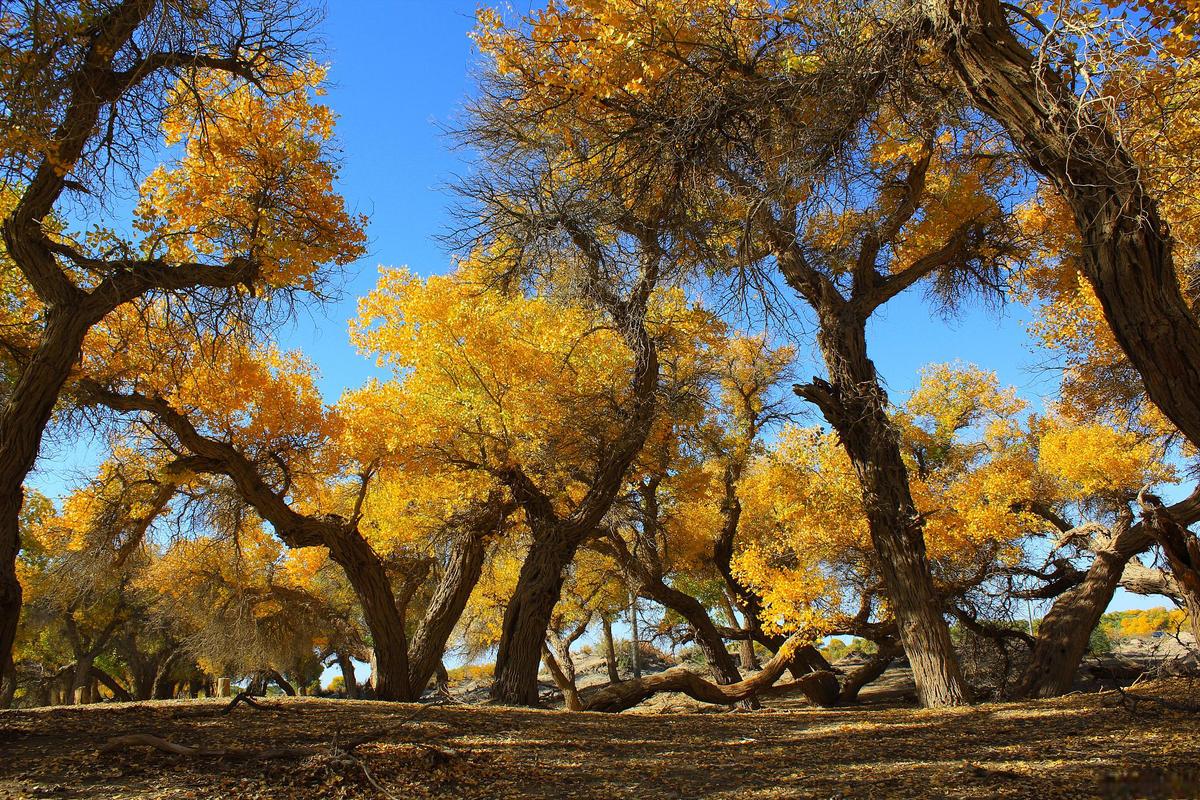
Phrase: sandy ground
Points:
(1077, 746)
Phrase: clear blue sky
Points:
(399, 71)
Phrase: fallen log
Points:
(820, 687)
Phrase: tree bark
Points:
(458, 580)
(527, 616)
(1182, 550)
(708, 638)
(346, 665)
(1127, 255)
(564, 679)
(369, 578)
(855, 404)
(610, 649)
(8, 684)
(280, 681)
(875, 666)
(621, 696)
(1062, 638)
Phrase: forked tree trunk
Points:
(869, 672)
(1062, 638)
(527, 616)
(461, 574)
(1126, 243)
(855, 404)
(563, 672)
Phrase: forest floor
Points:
(1080, 746)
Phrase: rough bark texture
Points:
(1126, 243)
(459, 577)
(618, 697)
(1182, 550)
(854, 403)
(527, 616)
(1062, 637)
(369, 578)
(708, 638)
(853, 683)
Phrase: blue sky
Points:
(400, 71)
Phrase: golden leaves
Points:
(255, 180)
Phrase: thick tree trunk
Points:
(1126, 244)
(610, 649)
(1062, 637)
(23, 420)
(461, 574)
(346, 665)
(855, 404)
(369, 578)
(708, 638)
(527, 617)
(875, 666)
(8, 684)
(621, 696)
(83, 672)
(563, 673)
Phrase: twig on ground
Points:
(1130, 702)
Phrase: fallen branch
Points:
(244, 697)
(820, 687)
(1130, 702)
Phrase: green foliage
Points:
(836, 649)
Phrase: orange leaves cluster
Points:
(254, 181)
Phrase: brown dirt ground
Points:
(1080, 746)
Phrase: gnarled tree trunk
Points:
(369, 578)
(855, 404)
(708, 638)
(458, 580)
(1127, 255)
(618, 697)
(527, 616)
